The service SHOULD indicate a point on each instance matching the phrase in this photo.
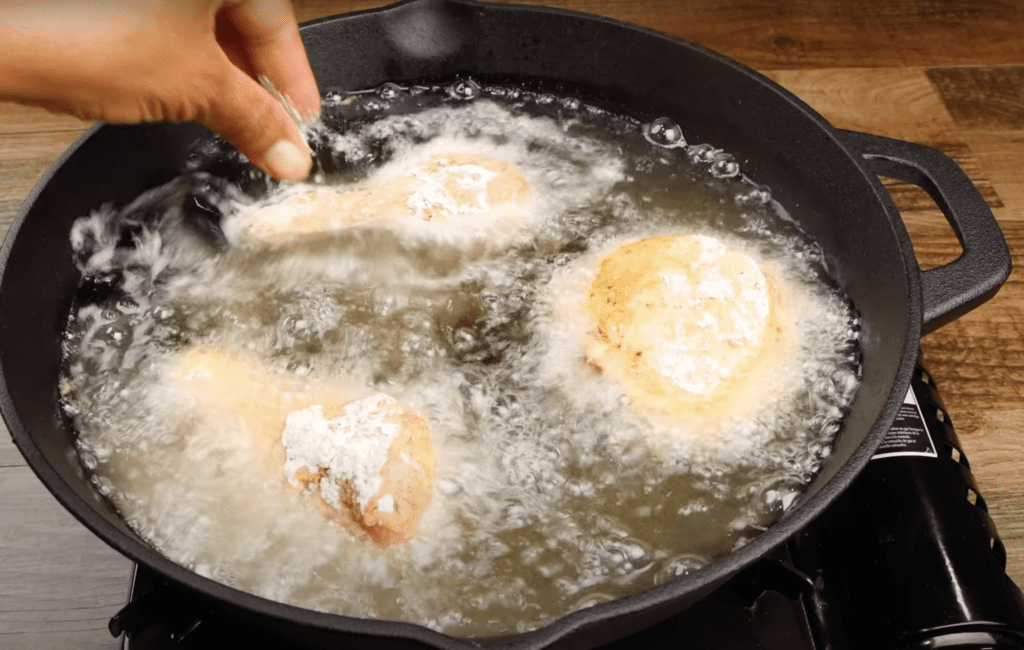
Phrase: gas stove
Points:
(908, 558)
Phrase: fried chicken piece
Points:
(444, 189)
(680, 320)
(402, 480)
(373, 460)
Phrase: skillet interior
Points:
(777, 140)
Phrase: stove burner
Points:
(907, 558)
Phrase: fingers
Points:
(261, 37)
(245, 115)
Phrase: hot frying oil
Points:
(555, 492)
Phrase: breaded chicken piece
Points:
(373, 461)
(443, 189)
(268, 403)
(680, 321)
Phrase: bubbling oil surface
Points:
(554, 494)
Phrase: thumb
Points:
(246, 115)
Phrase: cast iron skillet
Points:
(827, 178)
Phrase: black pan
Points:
(827, 178)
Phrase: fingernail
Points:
(288, 162)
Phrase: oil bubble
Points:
(389, 91)
(757, 195)
(464, 340)
(113, 334)
(591, 600)
(724, 166)
(702, 153)
(465, 89)
(663, 132)
(679, 566)
(418, 321)
(103, 485)
(127, 306)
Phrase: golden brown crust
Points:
(680, 321)
(408, 477)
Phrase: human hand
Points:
(125, 61)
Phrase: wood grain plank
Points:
(979, 358)
(988, 373)
(9, 454)
(987, 98)
(810, 33)
(24, 157)
(15, 118)
(898, 103)
(992, 440)
(41, 545)
(997, 461)
(902, 104)
(1008, 516)
(1001, 154)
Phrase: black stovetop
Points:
(908, 558)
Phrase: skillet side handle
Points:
(952, 290)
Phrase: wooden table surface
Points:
(944, 73)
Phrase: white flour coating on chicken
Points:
(372, 466)
(374, 459)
